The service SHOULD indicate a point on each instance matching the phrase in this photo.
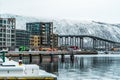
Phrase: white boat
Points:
(16, 70)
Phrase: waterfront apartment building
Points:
(42, 29)
(47, 34)
(22, 38)
(34, 42)
(7, 33)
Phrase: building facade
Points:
(55, 40)
(34, 42)
(47, 34)
(7, 33)
(22, 38)
(42, 29)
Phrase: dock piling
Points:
(72, 58)
(51, 58)
(40, 58)
(62, 58)
(20, 56)
(30, 58)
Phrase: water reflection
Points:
(98, 68)
(82, 68)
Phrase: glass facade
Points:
(33, 28)
(22, 38)
(42, 29)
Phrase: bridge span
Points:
(87, 42)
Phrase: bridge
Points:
(87, 42)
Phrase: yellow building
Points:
(34, 42)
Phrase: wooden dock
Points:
(50, 56)
(36, 53)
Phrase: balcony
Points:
(43, 28)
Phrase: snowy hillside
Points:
(103, 30)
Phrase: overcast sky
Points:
(98, 10)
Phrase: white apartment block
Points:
(7, 33)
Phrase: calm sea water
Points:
(83, 68)
(90, 68)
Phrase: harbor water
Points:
(90, 68)
(85, 68)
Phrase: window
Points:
(4, 30)
(8, 35)
(0, 35)
(37, 27)
(12, 39)
(4, 21)
(8, 31)
(0, 24)
(12, 31)
(8, 39)
(4, 35)
(3, 43)
(0, 21)
(0, 39)
(13, 27)
(8, 26)
(13, 44)
(0, 30)
(8, 44)
(12, 36)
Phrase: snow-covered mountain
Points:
(69, 27)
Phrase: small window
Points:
(0, 21)
(4, 21)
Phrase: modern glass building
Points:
(22, 38)
(33, 28)
(42, 29)
(7, 33)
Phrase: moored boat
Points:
(16, 70)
